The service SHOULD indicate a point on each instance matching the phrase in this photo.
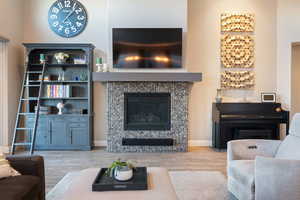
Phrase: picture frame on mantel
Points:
(268, 97)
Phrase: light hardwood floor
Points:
(59, 163)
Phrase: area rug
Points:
(189, 185)
(199, 185)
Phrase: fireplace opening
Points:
(147, 111)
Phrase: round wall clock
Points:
(67, 18)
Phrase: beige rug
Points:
(189, 185)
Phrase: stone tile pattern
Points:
(179, 116)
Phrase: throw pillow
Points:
(5, 169)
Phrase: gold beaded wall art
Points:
(235, 22)
(237, 51)
(237, 79)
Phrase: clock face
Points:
(67, 18)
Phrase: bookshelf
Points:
(68, 83)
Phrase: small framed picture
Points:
(268, 97)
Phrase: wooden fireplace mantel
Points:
(147, 77)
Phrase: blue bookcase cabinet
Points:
(68, 83)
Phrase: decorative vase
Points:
(99, 64)
(123, 173)
(99, 67)
(83, 76)
(42, 58)
(102, 67)
(105, 68)
(60, 106)
(219, 96)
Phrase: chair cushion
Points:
(20, 187)
(242, 171)
(289, 148)
(295, 125)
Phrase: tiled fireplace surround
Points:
(178, 85)
(179, 116)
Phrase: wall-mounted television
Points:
(152, 48)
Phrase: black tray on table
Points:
(106, 183)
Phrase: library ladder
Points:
(29, 138)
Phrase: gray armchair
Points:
(266, 169)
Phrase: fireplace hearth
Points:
(147, 111)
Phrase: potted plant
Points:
(120, 170)
(61, 57)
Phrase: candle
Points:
(105, 68)
(42, 56)
(99, 61)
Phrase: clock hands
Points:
(69, 14)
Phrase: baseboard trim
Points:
(192, 143)
(4, 149)
(200, 143)
(100, 143)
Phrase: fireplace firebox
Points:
(147, 111)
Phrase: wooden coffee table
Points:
(159, 188)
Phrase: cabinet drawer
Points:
(76, 125)
(41, 124)
(78, 119)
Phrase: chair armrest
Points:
(249, 149)
(30, 165)
(277, 179)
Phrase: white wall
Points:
(144, 13)
(288, 32)
(103, 15)
(11, 21)
(295, 81)
(3, 94)
(203, 54)
(202, 47)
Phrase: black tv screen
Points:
(147, 48)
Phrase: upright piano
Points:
(233, 121)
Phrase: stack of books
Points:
(44, 110)
(58, 91)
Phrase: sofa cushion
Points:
(5, 169)
(20, 187)
(289, 148)
(242, 171)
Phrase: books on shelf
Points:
(44, 110)
(58, 91)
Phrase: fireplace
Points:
(147, 116)
(147, 111)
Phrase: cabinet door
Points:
(79, 136)
(58, 133)
(42, 132)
